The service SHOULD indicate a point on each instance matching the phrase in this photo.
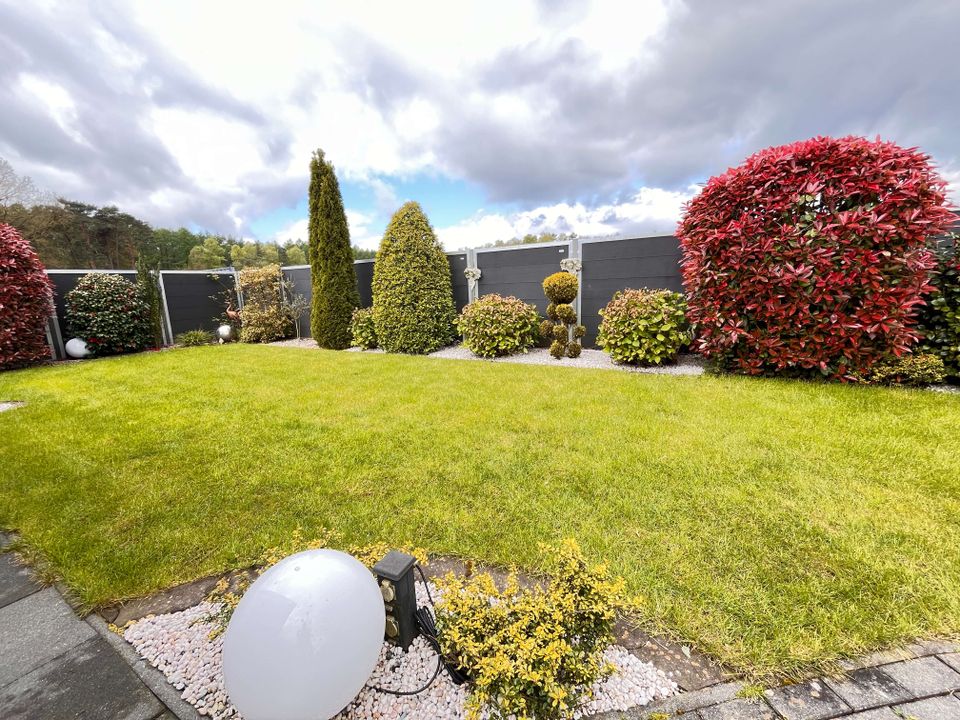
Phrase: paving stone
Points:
(952, 659)
(16, 581)
(868, 688)
(811, 700)
(877, 714)
(689, 701)
(933, 647)
(34, 631)
(878, 658)
(89, 681)
(945, 707)
(739, 709)
(924, 676)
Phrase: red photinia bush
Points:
(812, 257)
(26, 301)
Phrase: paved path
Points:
(54, 665)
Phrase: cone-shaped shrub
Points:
(413, 309)
(332, 274)
(812, 258)
(26, 301)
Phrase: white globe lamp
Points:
(77, 348)
(304, 638)
(225, 333)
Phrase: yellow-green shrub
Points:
(362, 329)
(561, 287)
(645, 327)
(915, 370)
(263, 317)
(493, 325)
(531, 652)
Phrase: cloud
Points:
(647, 212)
(361, 234)
(200, 114)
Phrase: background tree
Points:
(209, 254)
(19, 189)
(26, 301)
(149, 289)
(413, 308)
(333, 276)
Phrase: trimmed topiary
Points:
(362, 329)
(573, 350)
(413, 309)
(332, 273)
(493, 326)
(552, 311)
(108, 314)
(565, 314)
(811, 258)
(26, 302)
(560, 332)
(561, 287)
(558, 349)
(546, 329)
(644, 327)
(579, 331)
(915, 370)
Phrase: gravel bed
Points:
(179, 645)
(589, 358)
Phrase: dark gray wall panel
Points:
(461, 291)
(520, 272)
(364, 281)
(195, 299)
(614, 265)
(300, 277)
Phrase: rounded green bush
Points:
(413, 309)
(579, 331)
(193, 338)
(108, 314)
(561, 287)
(560, 332)
(552, 311)
(546, 329)
(565, 313)
(644, 327)
(493, 326)
(915, 370)
(574, 349)
(558, 349)
(362, 330)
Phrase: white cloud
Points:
(361, 234)
(650, 210)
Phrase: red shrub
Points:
(812, 257)
(26, 301)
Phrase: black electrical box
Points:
(395, 578)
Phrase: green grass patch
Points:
(775, 524)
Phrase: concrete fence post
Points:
(167, 326)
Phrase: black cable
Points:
(428, 628)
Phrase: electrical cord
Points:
(428, 628)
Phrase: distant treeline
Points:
(69, 234)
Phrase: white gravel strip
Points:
(589, 358)
(178, 645)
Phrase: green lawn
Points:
(776, 525)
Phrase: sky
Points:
(500, 118)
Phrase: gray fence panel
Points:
(519, 272)
(300, 277)
(461, 292)
(64, 282)
(364, 270)
(613, 265)
(194, 299)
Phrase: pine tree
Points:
(334, 280)
(413, 306)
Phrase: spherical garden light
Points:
(225, 333)
(304, 639)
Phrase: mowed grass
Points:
(775, 524)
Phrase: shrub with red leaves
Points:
(26, 301)
(811, 258)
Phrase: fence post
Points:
(473, 289)
(168, 327)
(575, 255)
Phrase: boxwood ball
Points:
(304, 638)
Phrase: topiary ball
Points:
(552, 311)
(558, 349)
(561, 287)
(566, 314)
(573, 350)
(546, 329)
(579, 331)
(811, 258)
(560, 332)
